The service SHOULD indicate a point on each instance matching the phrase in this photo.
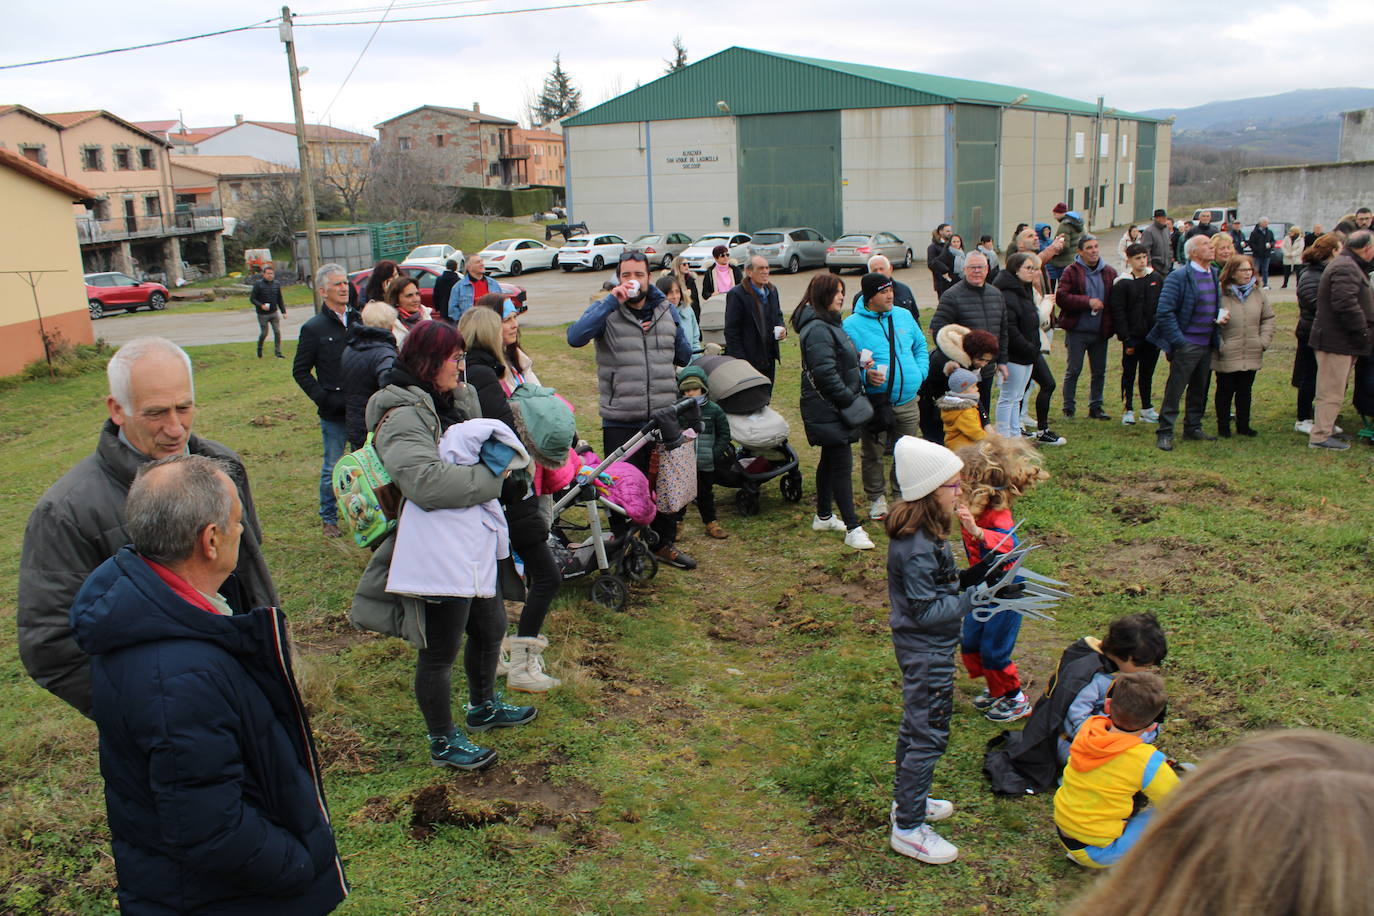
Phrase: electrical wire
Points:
(152, 44)
(532, 9)
(325, 117)
(395, 6)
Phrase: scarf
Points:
(444, 406)
(1240, 292)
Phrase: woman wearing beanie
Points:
(927, 615)
(831, 382)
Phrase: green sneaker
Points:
(455, 750)
(497, 713)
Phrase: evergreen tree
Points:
(559, 97)
(679, 60)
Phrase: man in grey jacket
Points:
(1159, 239)
(79, 522)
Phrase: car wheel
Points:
(96, 307)
(667, 262)
(794, 264)
(553, 263)
(598, 262)
(567, 268)
(515, 268)
(835, 271)
(906, 261)
(157, 302)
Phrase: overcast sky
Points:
(1139, 55)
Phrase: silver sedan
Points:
(855, 248)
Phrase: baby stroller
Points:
(619, 559)
(762, 453)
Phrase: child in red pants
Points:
(996, 472)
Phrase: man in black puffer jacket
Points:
(1134, 299)
(320, 351)
(212, 783)
(1315, 257)
(978, 306)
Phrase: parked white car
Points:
(434, 254)
(698, 254)
(515, 256)
(591, 251)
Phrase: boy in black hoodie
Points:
(1133, 300)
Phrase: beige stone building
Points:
(133, 224)
(473, 149)
(42, 241)
(230, 184)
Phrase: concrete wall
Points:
(691, 162)
(1306, 194)
(892, 171)
(249, 139)
(1357, 136)
(18, 130)
(44, 239)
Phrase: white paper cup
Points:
(882, 373)
(779, 332)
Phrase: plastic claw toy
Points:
(1012, 587)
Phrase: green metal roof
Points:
(764, 82)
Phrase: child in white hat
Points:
(928, 609)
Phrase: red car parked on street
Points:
(112, 291)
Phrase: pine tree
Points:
(559, 97)
(679, 60)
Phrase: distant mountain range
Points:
(1298, 126)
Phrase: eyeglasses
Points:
(952, 486)
(459, 359)
(633, 256)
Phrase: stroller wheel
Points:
(638, 563)
(747, 501)
(609, 591)
(792, 487)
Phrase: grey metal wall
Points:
(789, 171)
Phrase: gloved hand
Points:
(668, 425)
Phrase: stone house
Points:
(473, 150)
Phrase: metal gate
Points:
(1145, 171)
(977, 133)
(789, 171)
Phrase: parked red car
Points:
(112, 291)
(425, 275)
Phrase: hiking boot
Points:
(1336, 445)
(714, 530)
(1069, 412)
(858, 539)
(1198, 435)
(1149, 415)
(1048, 437)
(674, 557)
(331, 530)
(1164, 443)
(923, 844)
(503, 660)
(829, 523)
(498, 714)
(527, 665)
(1247, 431)
(1097, 413)
(984, 700)
(455, 750)
(937, 809)
(1128, 418)
(1009, 709)
(878, 511)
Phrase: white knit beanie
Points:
(922, 466)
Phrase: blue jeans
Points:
(335, 434)
(1009, 399)
(1103, 856)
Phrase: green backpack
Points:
(545, 421)
(367, 497)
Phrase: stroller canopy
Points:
(736, 385)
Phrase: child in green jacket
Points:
(712, 444)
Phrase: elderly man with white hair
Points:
(318, 370)
(79, 522)
(1187, 332)
(902, 296)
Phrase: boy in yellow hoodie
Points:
(1098, 810)
(959, 410)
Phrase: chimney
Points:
(477, 107)
(238, 119)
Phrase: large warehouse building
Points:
(753, 139)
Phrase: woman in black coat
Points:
(720, 256)
(831, 381)
(365, 363)
(1315, 257)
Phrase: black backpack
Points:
(1027, 762)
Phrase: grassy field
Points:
(725, 745)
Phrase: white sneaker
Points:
(833, 523)
(924, 845)
(937, 809)
(1128, 418)
(1303, 426)
(1149, 415)
(858, 539)
(879, 509)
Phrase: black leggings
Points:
(706, 497)
(1237, 385)
(484, 620)
(1044, 380)
(835, 483)
(543, 579)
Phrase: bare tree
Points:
(349, 181)
(404, 183)
(277, 209)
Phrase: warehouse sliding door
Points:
(789, 171)
(1144, 171)
(977, 132)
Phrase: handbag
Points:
(676, 483)
(857, 415)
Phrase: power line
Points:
(152, 44)
(532, 9)
(398, 6)
(325, 117)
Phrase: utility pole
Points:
(312, 231)
(1096, 170)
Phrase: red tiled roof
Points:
(72, 118)
(45, 175)
(157, 127)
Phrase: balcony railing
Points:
(515, 151)
(119, 228)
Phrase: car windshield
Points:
(768, 238)
(502, 245)
(711, 240)
(428, 251)
(647, 239)
(852, 240)
(577, 242)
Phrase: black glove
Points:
(668, 425)
(979, 572)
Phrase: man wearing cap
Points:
(902, 296)
(753, 319)
(1070, 228)
(898, 360)
(1158, 238)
